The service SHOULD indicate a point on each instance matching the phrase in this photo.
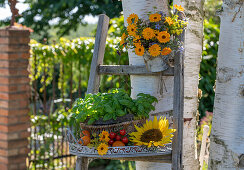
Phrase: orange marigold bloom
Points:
(155, 17)
(179, 7)
(148, 33)
(123, 37)
(154, 50)
(168, 20)
(163, 37)
(137, 40)
(133, 18)
(166, 51)
(132, 29)
(139, 50)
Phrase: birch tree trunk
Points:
(193, 53)
(227, 136)
(149, 84)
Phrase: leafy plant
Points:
(111, 105)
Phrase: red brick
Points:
(8, 136)
(23, 119)
(3, 144)
(14, 55)
(3, 166)
(9, 152)
(14, 96)
(14, 40)
(18, 143)
(24, 134)
(18, 127)
(18, 63)
(14, 48)
(13, 167)
(22, 166)
(12, 32)
(14, 80)
(13, 111)
(14, 88)
(14, 72)
(24, 150)
(8, 120)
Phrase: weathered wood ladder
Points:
(177, 71)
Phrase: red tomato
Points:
(122, 132)
(111, 142)
(118, 137)
(112, 135)
(125, 140)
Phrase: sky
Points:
(5, 12)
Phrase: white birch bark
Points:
(149, 84)
(227, 136)
(193, 53)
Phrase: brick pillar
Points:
(14, 98)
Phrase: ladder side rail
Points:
(178, 107)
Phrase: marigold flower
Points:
(154, 50)
(139, 50)
(137, 40)
(123, 37)
(148, 33)
(104, 136)
(102, 149)
(179, 7)
(133, 18)
(166, 51)
(155, 17)
(163, 37)
(132, 29)
(169, 20)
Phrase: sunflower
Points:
(123, 37)
(148, 33)
(163, 37)
(133, 18)
(154, 132)
(154, 50)
(169, 20)
(102, 149)
(104, 136)
(139, 50)
(155, 17)
(166, 51)
(132, 30)
(179, 7)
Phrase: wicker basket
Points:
(129, 126)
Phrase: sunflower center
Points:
(151, 135)
(155, 17)
(163, 36)
(139, 50)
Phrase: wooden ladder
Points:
(97, 69)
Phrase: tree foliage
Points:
(64, 15)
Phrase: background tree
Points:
(63, 15)
(227, 146)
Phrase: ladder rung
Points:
(130, 70)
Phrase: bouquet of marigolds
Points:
(156, 36)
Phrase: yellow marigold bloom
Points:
(154, 50)
(139, 50)
(123, 37)
(155, 17)
(102, 149)
(132, 29)
(179, 7)
(156, 32)
(104, 136)
(166, 51)
(163, 37)
(153, 133)
(148, 33)
(169, 20)
(133, 18)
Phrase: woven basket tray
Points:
(128, 126)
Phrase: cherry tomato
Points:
(111, 142)
(112, 135)
(118, 137)
(125, 140)
(122, 132)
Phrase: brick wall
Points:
(14, 98)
